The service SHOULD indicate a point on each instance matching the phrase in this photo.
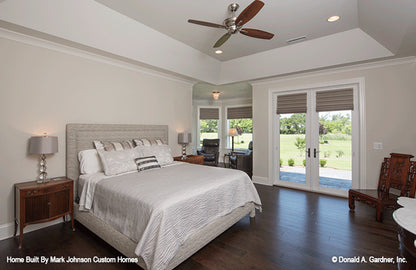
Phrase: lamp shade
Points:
(43, 145)
(232, 132)
(184, 137)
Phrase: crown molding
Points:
(336, 70)
(43, 43)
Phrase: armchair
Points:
(243, 160)
(210, 151)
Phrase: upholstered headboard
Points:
(81, 136)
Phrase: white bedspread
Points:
(159, 209)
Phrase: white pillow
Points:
(89, 162)
(116, 162)
(161, 152)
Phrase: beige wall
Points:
(41, 90)
(390, 115)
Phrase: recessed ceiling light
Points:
(333, 18)
(218, 52)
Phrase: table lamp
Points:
(43, 145)
(232, 132)
(184, 138)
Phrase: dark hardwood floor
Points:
(296, 230)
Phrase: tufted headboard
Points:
(81, 136)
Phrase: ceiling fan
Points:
(234, 24)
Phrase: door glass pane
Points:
(335, 148)
(292, 147)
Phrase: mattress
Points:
(159, 209)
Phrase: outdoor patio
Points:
(330, 178)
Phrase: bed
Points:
(80, 137)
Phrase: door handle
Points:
(315, 152)
(309, 152)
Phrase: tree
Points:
(337, 123)
(295, 124)
(246, 124)
(300, 144)
(208, 126)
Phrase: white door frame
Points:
(359, 145)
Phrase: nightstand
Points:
(194, 159)
(36, 203)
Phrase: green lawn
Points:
(240, 142)
(327, 151)
(288, 149)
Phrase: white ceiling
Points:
(155, 34)
(286, 19)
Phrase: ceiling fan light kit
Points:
(234, 24)
(216, 95)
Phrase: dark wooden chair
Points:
(396, 172)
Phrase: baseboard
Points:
(7, 230)
(261, 180)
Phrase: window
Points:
(240, 118)
(208, 123)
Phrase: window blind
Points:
(335, 100)
(294, 103)
(240, 112)
(209, 113)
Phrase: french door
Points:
(316, 139)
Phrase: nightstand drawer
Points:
(33, 192)
(57, 188)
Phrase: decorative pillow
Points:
(116, 162)
(89, 162)
(161, 152)
(113, 146)
(142, 142)
(146, 163)
(147, 142)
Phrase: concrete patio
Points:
(328, 177)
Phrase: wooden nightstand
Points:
(36, 203)
(191, 159)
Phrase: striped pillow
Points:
(146, 163)
(147, 142)
(113, 146)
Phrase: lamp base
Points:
(43, 176)
(184, 152)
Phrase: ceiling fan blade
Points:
(222, 40)
(207, 24)
(249, 12)
(256, 33)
